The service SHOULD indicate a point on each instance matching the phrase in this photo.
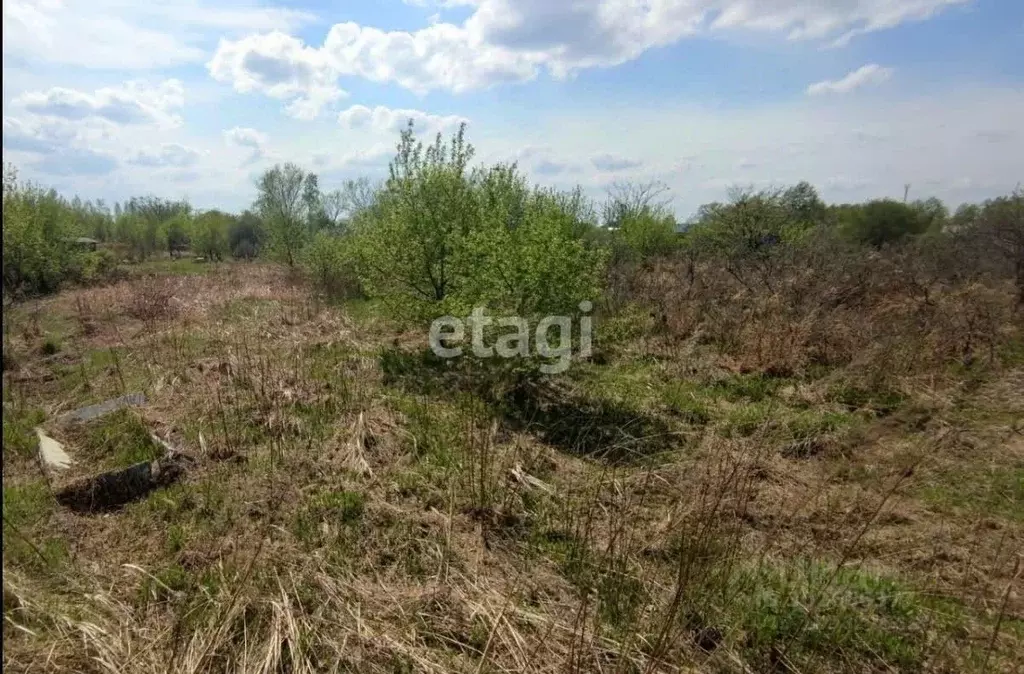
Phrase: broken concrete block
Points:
(113, 489)
(100, 409)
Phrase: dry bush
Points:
(898, 311)
(152, 299)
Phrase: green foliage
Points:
(246, 236)
(426, 210)
(286, 204)
(210, 234)
(642, 221)
(177, 232)
(858, 616)
(328, 260)
(441, 239)
(803, 206)
(648, 234)
(751, 234)
(144, 223)
(38, 232)
(119, 440)
(1001, 227)
(883, 221)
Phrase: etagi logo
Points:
(446, 332)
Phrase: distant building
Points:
(85, 243)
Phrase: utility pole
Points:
(906, 191)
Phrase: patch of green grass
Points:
(1012, 352)
(747, 387)
(630, 383)
(248, 308)
(27, 504)
(436, 431)
(27, 508)
(119, 440)
(858, 617)
(51, 345)
(346, 507)
(342, 509)
(688, 404)
(987, 491)
(881, 401)
(809, 424)
(746, 420)
(175, 538)
(19, 430)
(185, 266)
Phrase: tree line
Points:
(441, 234)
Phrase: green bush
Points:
(442, 239)
(328, 262)
(884, 221)
(38, 231)
(210, 235)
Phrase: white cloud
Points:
(374, 157)
(250, 139)
(131, 103)
(168, 154)
(382, 119)
(129, 35)
(613, 163)
(279, 66)
(868, 75)
(54, 148)
(245, 137)
(516, 40)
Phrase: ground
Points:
(354, 505)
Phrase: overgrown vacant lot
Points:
(354, 505)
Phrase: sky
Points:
(194, 99)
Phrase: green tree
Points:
(426, 209)
(38, 228)
(749, 235)
(883, 221)
(210, 234)
(803, 205)
(246, 236)
(443, 239)
(176, 234)
(1001, 225)
(283, 205)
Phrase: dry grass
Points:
(342, 518)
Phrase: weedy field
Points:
(355, 505)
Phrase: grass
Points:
(118, 440)
(356, 505)
(857, 616)
(173, 267)
(986, 491)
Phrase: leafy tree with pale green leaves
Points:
(884, 221)
(425, 210)
(640, 216)
(38, 228)
(441, 238)
(283, 204)
(210, 234)
(176, 233)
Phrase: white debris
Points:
(52, 452)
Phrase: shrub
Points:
(210, 235)
(328, 262)
(38, 228)
(442, 239)
(884, 221)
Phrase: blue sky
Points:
(189, 98)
